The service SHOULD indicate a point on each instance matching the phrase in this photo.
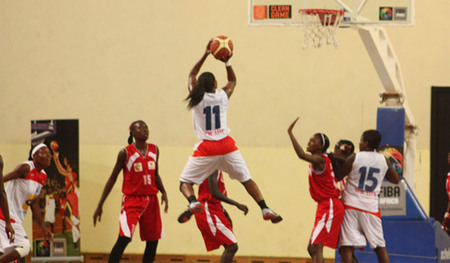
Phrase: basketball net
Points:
(320, 25)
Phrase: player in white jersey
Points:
(216, 150)
(362, 220)
(26, 182)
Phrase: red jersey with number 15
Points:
(323, 184)
(139, 171)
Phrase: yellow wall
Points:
(108, 63)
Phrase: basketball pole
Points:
(383, 57)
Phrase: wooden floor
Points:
(97, 258)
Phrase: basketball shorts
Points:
(145, 211)
(214, 226)
(327, 225)
(20, 236)
(359, 226)
(215, 155)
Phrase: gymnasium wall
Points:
(108, 63)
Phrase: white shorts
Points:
(20, 236)
(358, 226)
(198, 169)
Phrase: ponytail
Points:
(130, 138)
(205, 84)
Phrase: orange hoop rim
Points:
(315, 11)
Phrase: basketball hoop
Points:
(320, 25)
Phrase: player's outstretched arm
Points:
(314, 159)
(121, 158)
(215, 193)
(391, 175)
(192, 80)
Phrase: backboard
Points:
(357, 12)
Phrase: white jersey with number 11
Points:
(210, 116)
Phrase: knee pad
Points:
(23, 249)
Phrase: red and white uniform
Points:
(140, 202)
(20, 192)
(362, 220)
(213, 224)
(71, 201)
(217, 150)
(330, 211)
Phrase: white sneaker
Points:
(268, 214)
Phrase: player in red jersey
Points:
(141, 183)
(446, 221)
(214, 222)
(323, 189)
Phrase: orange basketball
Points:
(54, 145)
(221, 47)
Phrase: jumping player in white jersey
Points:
(23, 190)
(216, 149)
(362, 220)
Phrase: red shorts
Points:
(214, 226)
(329, 216)
(145, 210)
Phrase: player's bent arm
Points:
(59, 166)
(346, 167)
(192, 80)
(21, 171)
(391, 175)
(37, 216)
(215, 193)
(231, 84)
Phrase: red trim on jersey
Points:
(215, 148)
(2, 217)
(377, 214)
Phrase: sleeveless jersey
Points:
(21, 191)
(204, 195)
(139, 171)
(364, 181)
(209, 117)
(323, 185)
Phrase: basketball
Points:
(221, 47)
(54, 145)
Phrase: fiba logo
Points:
(395, 157)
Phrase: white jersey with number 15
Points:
(364, 181)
